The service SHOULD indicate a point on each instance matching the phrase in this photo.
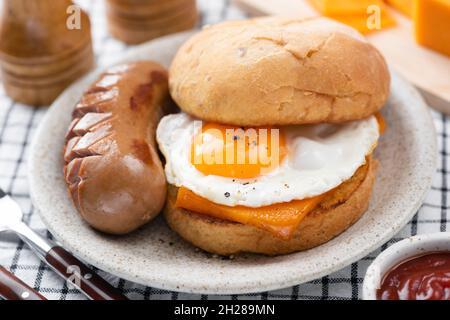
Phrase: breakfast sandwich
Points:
(272, 150)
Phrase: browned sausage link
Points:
(113, 171)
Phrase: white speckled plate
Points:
(155, 256)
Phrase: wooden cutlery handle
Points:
(12, 288)
(81, 276)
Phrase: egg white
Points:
(320, 157)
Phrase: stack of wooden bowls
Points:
(137, 21)
(40, 52)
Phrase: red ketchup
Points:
(425, 277)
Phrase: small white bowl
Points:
(398, 253)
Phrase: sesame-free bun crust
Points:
(279, 71)
(339, 210)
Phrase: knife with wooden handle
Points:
(12, 288)
(72, 269)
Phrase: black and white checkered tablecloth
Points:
(17, 127)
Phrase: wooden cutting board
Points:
(428, 70)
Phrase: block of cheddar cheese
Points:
(360, 22)
(432, 24)
(355, 13)
(404, 6)
(344, 7)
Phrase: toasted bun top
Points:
(279, 71)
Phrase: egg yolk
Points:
(237, 152)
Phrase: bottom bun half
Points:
(337, 211)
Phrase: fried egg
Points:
(256, 167)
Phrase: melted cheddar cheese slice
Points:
(280, 219)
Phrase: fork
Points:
(60, 260)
